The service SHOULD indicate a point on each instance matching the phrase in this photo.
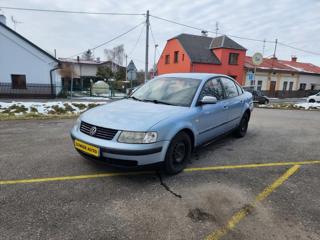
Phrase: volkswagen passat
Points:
(164, 120)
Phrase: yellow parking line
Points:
(241, 214)
(257, 165)
(101, 175)
(52, 179)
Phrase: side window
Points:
(240, 91)
(212, 88)
(230, 88)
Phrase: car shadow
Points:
(197, 154)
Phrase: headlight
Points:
(137, 137)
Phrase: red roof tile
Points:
(283, 65)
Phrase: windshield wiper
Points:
(157, 101)
(134, 98)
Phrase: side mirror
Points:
(208, 100)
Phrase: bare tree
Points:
(87, 55)
(115, 55)
(67, 71)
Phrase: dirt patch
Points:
(198, 215)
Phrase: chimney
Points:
(3, 19)
(78, 59)
(98, 60)
(294, 58)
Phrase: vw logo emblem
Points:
(93, 131)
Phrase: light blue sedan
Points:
(164, 121)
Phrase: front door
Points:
(211, 117)
(272, 88)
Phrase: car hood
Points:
(130, 115)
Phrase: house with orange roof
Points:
(193, 53)
(283, 78)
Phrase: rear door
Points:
(235, 102)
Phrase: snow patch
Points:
(45, 108)
(308, 105)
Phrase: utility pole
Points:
(147, 48)
(275, 48)
(264, 46)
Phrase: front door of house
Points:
(272, 88)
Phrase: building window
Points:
(167, 59)
(259, 87)
(18, 81)
(182, 57)
(176, 56)
(302, 86)
(233, 58)
(285, 84)
(290, 86)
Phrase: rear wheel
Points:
(241, 130)
(178, 153)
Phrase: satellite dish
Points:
(257, 59)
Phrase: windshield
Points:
(172, 91)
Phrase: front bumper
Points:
(123, 154)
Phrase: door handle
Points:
(225, 107)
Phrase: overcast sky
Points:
(291, 21)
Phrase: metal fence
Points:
(61, 91)
(290, 94)
(30, 91)
(64, 91)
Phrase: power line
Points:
(298, 49)
(234, 36)
(181, 24)
(72, 12)
(138, 40)
(116, 37)
(214, 32)
(157, 17)
(153, 38)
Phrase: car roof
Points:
(201, 76)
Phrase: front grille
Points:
(103, 133)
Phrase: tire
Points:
(241, 130)
(312, 101)
(266, 101)
(178, 154)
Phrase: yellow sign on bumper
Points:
(87, 148)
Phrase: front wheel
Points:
(312, 101)
(241, 130)
(178, 153)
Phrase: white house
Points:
(26, 70)
(84, 71)
(283, 78)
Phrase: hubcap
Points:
(244, 125)
(179, 152)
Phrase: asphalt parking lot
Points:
(264, 186)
